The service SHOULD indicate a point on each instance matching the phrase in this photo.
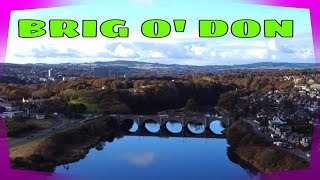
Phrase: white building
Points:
(40, 116)
(50, 73)
(12, 114)
(277, 121)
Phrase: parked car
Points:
(308, 155)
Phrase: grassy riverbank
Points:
(65, 147)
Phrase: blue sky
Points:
(178, 48)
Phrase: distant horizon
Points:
(137, 61)
(178, 48)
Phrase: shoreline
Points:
(255, 152)
(246, 149)
(67, 147)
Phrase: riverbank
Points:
(65, 147)
(256, 152)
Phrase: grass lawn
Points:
(91, 108)
(42, 124)
(25, 150)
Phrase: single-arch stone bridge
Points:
(162, 120)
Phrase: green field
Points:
(91, 108)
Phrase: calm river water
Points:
(150, 158)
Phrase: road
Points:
(256, 130)
(46, 133)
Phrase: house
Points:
(276, 121)
(315, 86)
(7, 105)
(278, 143)
(306, 141)
(302, 113)
(274, 136)
(27, 100)
(262, 114)
(282, 130)
(13, 114)
(294, 139)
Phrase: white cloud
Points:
(273, 57)
(197, 50)
(213, 54)
(229, 53)
(272, 45)
(304, 53)
(156, 54)
(257, 53)
(141, 159)
(261, 44)
(124, 52)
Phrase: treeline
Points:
(260, 80)
(16, 128)
(149, 94)
(144, 95)
(70, 110)
(11, 80)
(150, 97)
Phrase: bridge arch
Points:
(151, 125)
(216, 127)
(173, 126)
(196, 127)
(131, 125)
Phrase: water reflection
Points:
(100, 146)
(196, 128)
(142, 157)
(174, 127)
(152, 127)
(216, 127)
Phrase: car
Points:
(290, 147)
(308, 155)
(29, 137)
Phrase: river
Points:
(144, 158)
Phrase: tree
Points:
(191, 104)
(18, 94)
(74, 110)
(41, 94)
(118, 109)
(2, 109)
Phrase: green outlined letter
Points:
(272, 28)
(31, 28)
(89, 28)
(212, 28)
(246, 28)
(60, 28)
(156, 28)
(107, 29)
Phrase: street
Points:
(14, 142)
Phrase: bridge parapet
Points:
(163, 119)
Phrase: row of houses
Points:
(11, 112)
(280, 130)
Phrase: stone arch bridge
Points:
(162, 120)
